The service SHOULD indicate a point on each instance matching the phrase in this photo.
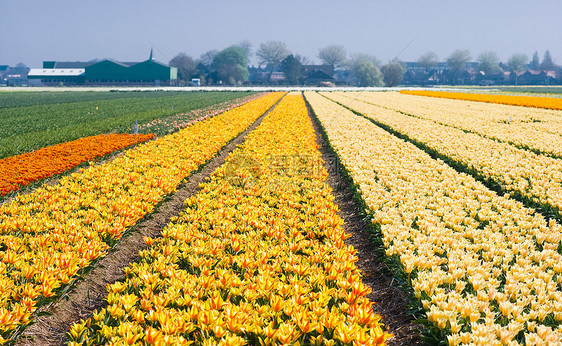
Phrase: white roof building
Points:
(56, 72)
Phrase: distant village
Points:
(359, 70)
(417, 75)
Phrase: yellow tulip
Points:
(250, 252)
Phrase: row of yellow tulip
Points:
(534, 129)
(47, 236)
(486, 269)
(537, 178)
(525, 101)
(258, 257)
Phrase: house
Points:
(316, 74)
(14, 75)
(326, 69)
(258, 75)
(3, 73)
(536, 77)
(418, 74)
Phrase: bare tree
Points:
(428, 60)
(246, 46)
(357, 58)
(334, 55)
(457, 61)
(302, 59)
(535, 65)
(488, 62)
(272, 53)
(185, 65)
(546, 63)
(393, 73)
(207, 57)
(517, 63)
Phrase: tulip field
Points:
(256, 257)
(26, 168)
(49, 235)
(32, 120)
(528, 101)
(461, 193)
(486, 268)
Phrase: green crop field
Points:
(34, 120)
(19, 99)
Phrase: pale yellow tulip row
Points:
(48, 236)
(257, 257)
(486, 269)
(535, 177)
(519, 119)
(514, 100)
(535, 129)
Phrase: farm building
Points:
(13, 75)
(105, 72)
(71, 74)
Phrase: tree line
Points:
(230, 65)
(489, 63)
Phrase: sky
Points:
(125, 30)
